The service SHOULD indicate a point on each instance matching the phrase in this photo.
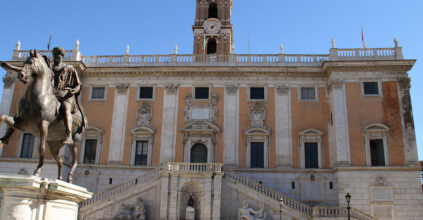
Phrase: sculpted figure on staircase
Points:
(245, 213)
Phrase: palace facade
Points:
(290, 134)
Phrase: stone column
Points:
(230, 126)
(6, 100)
(206, 200)
(164, 195)
(35, 198)
(216, 196)
(173, 198)
(120, 107)
(339, 134)
(170, 111)
(283, 126)
(410, 146)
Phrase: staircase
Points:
(311, 212)
(120, 188)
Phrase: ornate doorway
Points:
(198, 153)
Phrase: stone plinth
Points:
(31, 198)
(189, 213)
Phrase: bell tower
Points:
(213, 33)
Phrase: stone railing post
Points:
(333, 56)
(398, 53)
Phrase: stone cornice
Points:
(368, 66)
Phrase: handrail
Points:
(336, 54)
(121, 187)
(319, 211)
(192, 167)
(252, 184)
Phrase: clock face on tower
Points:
(212, 26)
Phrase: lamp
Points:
(348, 198)
(280, 208)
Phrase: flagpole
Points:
(362, 37)
(49, 41)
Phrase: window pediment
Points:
(257, 130)
(143, 129)
(311, 132)
(200, 125)
(376, 127)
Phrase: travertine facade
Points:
(306, 129)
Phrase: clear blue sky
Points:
(302, 26)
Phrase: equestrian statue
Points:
(50, 107)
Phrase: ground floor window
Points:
(90, 151)
(377, 153)
(311, 155)
(257, 155)
(27, 145)
(141, 153)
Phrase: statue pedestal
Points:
(189, 213)
(35, 198)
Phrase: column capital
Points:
(404, 83)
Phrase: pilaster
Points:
(230, 126)
(170, 111)
(283, 126)
(410, 146)
(120, 108)
(339, 122)
(6, 100)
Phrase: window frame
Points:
(316, 94)
(85, 148)
(311, 136)
(257, 134)
(194, 98)
(153, 98)
(90, 97)
(265, 88)
(34, 149)
(96, 133)
(376, 131)
(379, 87)
(142, 133)
(142, 148)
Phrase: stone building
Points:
(230, 128)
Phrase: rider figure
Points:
(67, 87)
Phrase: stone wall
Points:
(28, 166)
(384, 192)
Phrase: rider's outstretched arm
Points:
(7, 66)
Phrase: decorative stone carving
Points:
(282, 89)
(333, 43)
(144, 114)
(188, 107)
(8, 81)
(214, 111)
(171, 88)
(404, 83)
(122, 88)
(133, 212)
(282, 48)
(245, 213)
(257, 115)
(232, 88)
(335, 84)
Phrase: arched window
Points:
(211, 46)
(213, 10)
(198, 153)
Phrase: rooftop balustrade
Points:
(336, 54)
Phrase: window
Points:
(198, 154)
(311, 155)
(27, 145)
(257, 93)
(97, 93)
(308, 93)
(371, 88)
(213, 10)
(257, 155)
(311, 148)
(90, 151)
(211, 46)
(202, 93)
(146, 93)
(377, 154)
(376, 145)
(141, 153)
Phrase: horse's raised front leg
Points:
(73, 150)
(10, 121)
(43, 141)
(54, 150)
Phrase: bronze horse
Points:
(38, 112)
